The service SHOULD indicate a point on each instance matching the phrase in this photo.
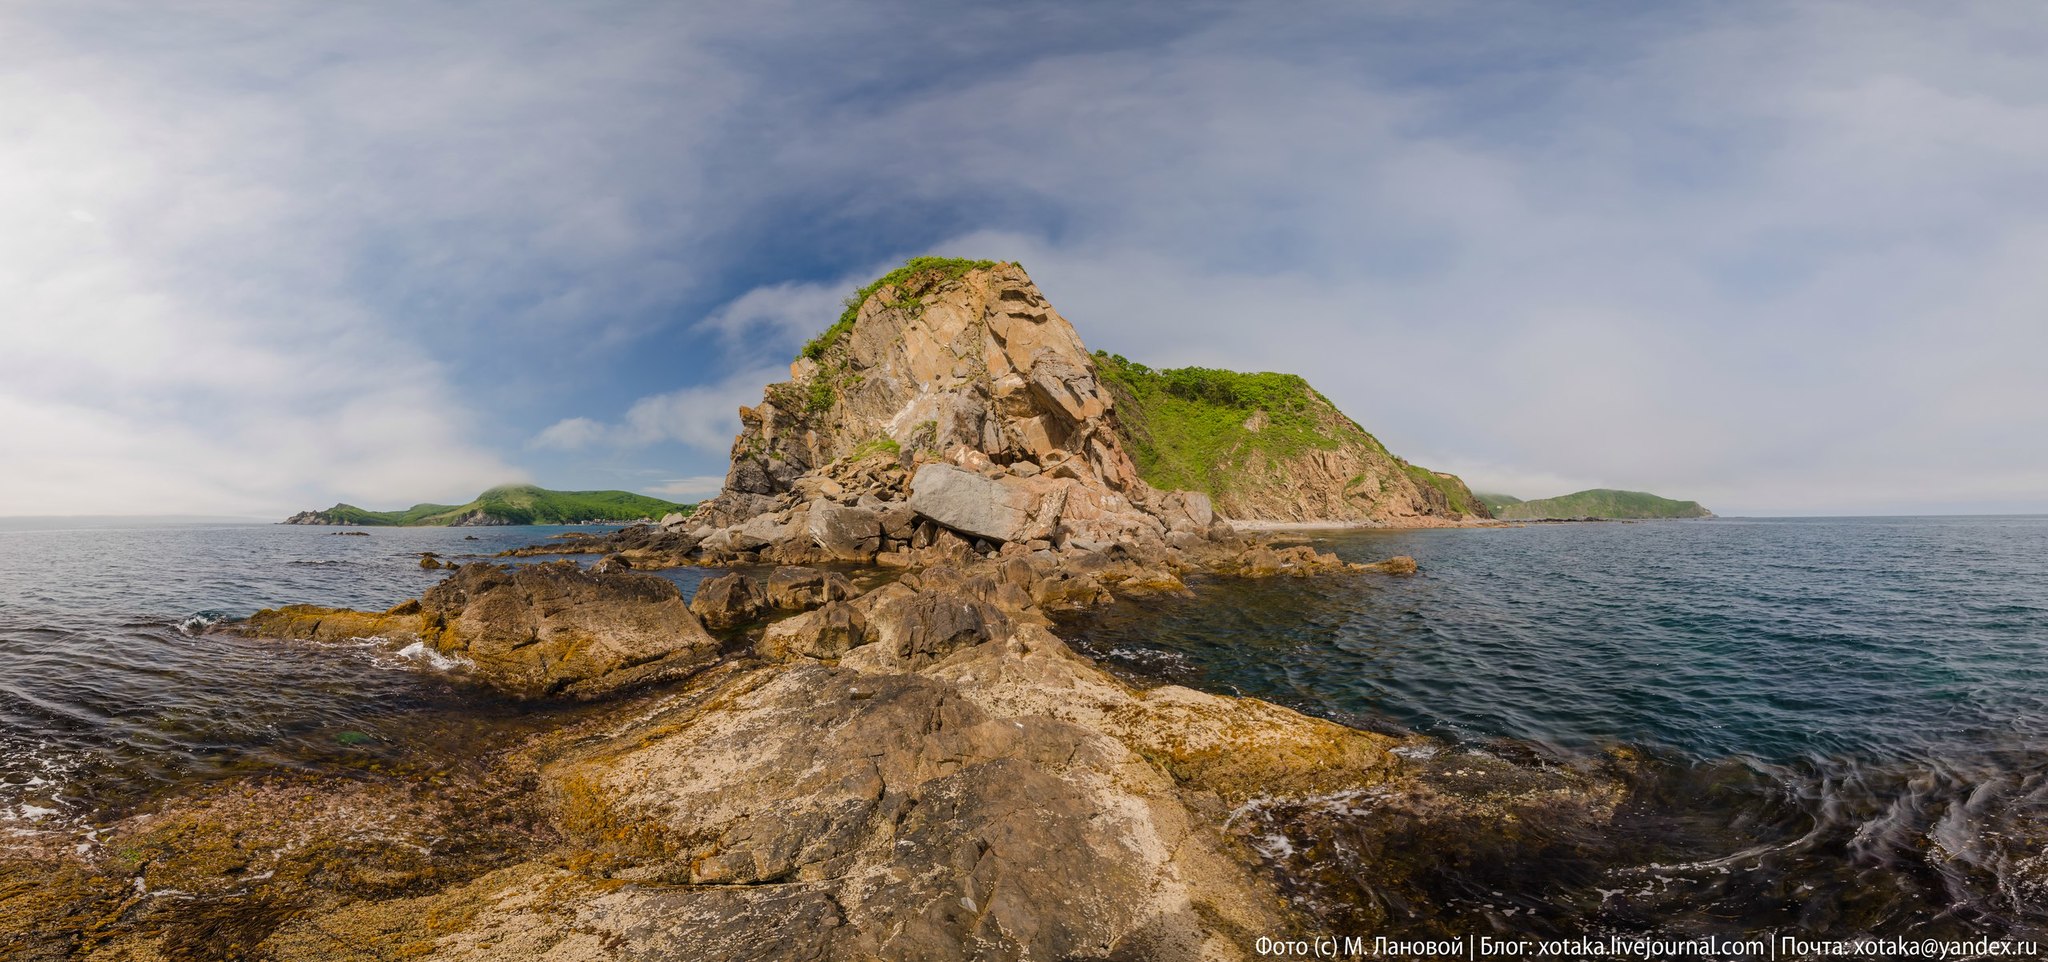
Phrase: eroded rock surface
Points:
(529, 630)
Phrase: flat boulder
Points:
(844, 533)
(531, 631)
(559, 629)
(999, 509)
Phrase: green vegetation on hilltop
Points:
(507, 504)
(1186, 427)
(923, 273)
(1603, 503)
(1497, 501)
(1450, 487)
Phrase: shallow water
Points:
(1845, 720)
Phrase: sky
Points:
(1782, 258)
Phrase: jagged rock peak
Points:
(942, 360)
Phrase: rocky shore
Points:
(865, 741)
(913, 767)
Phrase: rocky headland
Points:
(865, 741)
(506, 505)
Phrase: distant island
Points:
(1597, 503)
(508, 504)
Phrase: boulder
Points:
(758, 532)
(1399, 564)
(999, 509)
(531, 631)
(558, 629)
(728, 601)
(826, 634)
(795, 588)
(844, 533)
(916, 630)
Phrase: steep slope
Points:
(1270, 447)
(506, 505)
(965, 362)
(1605, 503)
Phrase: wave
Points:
(198, 623)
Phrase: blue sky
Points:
(1781, 258)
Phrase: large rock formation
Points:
(1269, 447)
(952, 414)
(956, 396)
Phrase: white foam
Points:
(419, 652)
(197, 624)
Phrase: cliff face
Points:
(1269, 447)
(934, 363)
(966, 364)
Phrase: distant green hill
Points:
(1496, 502)
(506, 504)
(1602, 503)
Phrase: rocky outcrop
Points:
(1269, 447)
(955, 400)
(531, 631)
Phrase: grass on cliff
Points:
(517, 504)
(1461, 500)
(924, 273)
(1602, 503)
(1191, 428)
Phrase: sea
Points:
(1827, 725)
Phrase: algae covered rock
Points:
(531, 631)
(557, 628)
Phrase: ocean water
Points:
(1830, 725)
(1845, 721)
(111, 688)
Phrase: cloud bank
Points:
(1774, 257)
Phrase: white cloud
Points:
(569, 434)
(705, 417)
(689, 489)
(1778, 258)
(779, 315)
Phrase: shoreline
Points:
(1260, 526)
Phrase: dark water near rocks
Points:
(1845, 720)
(1833, 725)
(111, 689)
